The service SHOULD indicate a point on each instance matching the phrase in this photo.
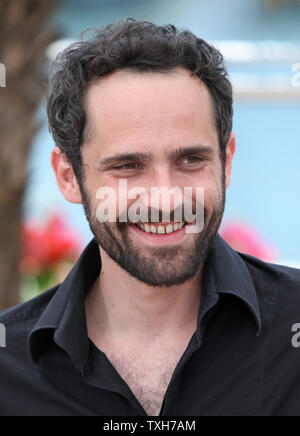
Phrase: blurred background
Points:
(41, 235)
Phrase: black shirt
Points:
(243, 359)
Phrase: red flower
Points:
(44, 246)
(247, 240)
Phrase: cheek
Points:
(96, 184)
(115, 197)
(210, 183)
(212, 198)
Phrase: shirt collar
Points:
(225, 272)
(65, 313)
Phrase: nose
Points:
(164, 193)
(161, 176)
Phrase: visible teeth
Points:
(160, 229)
(147, 228)
(169, 228)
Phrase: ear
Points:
(230, 150)
(65, 177)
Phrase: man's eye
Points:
(127, 166)
(191, 160)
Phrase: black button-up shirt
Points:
(243, 358)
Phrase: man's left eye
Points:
(191, 159)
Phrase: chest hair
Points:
(147, 378)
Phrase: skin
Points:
(152, 113)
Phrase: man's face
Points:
(155, 118)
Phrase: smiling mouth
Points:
(161, 228)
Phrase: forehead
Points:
(134, 108)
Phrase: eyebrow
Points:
(123, 157)
(186, 151)
(148, 157)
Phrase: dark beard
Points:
(166, 266)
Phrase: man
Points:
(153, 319)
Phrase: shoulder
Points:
(270, 271)
(20, 382)
(27, 311)
(276, 285)
(16, 324)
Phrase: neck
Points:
(120, 306)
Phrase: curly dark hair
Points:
(136, 45)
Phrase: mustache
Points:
(159, 215)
